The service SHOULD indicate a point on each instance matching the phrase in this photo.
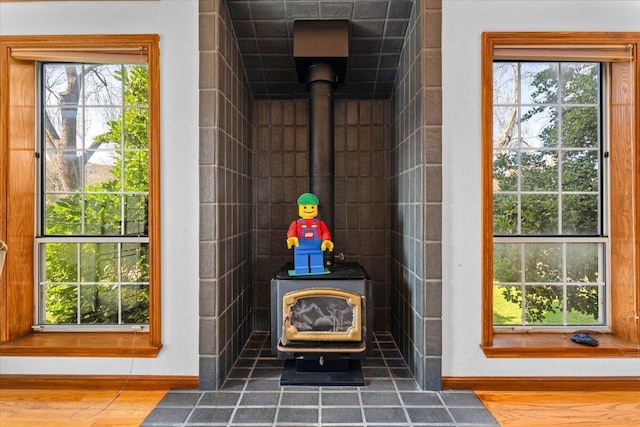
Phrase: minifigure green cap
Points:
(308, 199)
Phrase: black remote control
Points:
(582, 338)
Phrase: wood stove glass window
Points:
(322, 314)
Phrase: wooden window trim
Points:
(17, 206)
(624, 338)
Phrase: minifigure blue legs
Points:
(307, 257)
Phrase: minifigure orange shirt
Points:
(322, 231)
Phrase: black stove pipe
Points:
(321, 82)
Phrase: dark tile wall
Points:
(416, 198)
(361, 142)
(225, 169)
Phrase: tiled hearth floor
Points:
(252, 396)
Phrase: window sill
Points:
(557, 345)
(81, 344)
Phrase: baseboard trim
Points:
(98, 382)
(543, 383)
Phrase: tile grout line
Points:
(395, 386)
(278, 404)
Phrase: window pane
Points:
(99, 262)
(543, 262)
(539, 171)
(136, 218)
(135, 304)
(539, 127)
(505, 171)
(539, 214)
(583, 261)
(505, 82)
(99, 304)
(136, 173)
(557, 275)
(102, 84)
(101, 170)
(63, 214)
(539, 82)
(580, 171)
(102, 214)
(580, 214)
(135, 84)
(60, 302)
(505, 130)
(580, 83)
(63, 171)
(136, 125)
(505, 214)
(580, 127)
(60, 262)
(135, 262)
(544, 305)
(585, 305)
(507, 263)
(507, 305)
(61, 83)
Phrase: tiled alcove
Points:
(388, 195)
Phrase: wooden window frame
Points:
(624, 338)
(18, 117)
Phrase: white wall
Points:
(176, 21)
(462, 25)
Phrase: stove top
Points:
(340, 271)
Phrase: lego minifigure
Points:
(309, 237)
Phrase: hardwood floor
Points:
(550, 409)
(75, 408)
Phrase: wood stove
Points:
(320, 324)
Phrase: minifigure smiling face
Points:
(308, 206)
(308, 211)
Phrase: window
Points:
(560, 192)
(92, 241)
(80, 195)
(549, 221)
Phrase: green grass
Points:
(508, 313)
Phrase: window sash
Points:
(113, 289)
(558, 193)
(603, 283)
(515, 98)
